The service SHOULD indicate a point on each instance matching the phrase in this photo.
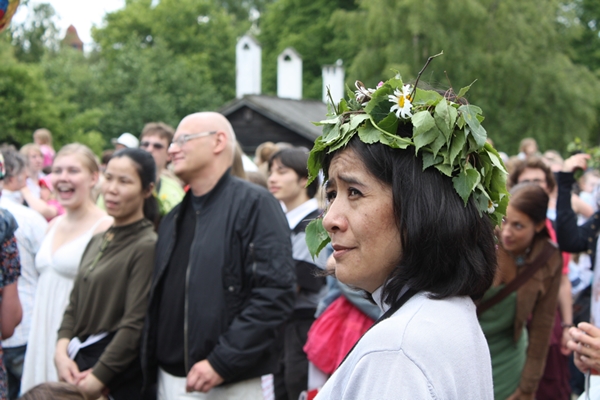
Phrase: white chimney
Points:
(248, 55)
(333, 79)
(289, 75)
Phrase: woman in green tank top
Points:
(518, 356)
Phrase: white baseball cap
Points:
(127, 140)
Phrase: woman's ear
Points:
(149, 190)
(94, 180)
(540, 226)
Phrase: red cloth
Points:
(334, 334)
(566, 256)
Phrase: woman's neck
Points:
(130, 219)
(79, 213)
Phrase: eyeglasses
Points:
(157, 146)
(183, 139)
(536, 181)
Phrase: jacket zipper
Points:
(253, 262)
(185, 320)
(186, 360)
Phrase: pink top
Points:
(48, 153)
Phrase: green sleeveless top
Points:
(508, 357)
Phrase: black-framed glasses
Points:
(156, 146)
(183, 139)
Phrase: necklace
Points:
(106, 239)
(521, 258)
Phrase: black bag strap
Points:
(520, 279)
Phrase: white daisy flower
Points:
(363, 94)
(491, 207)
(402, 102)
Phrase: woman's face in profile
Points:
(361, 223)
(518, 231)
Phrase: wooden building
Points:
(257, 119)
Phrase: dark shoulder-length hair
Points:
(448, 249)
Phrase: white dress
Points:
(57, 273)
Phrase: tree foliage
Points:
(537, 64)
(527, 84)
(306, 27)
(36, 35)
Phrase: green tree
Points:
(587, 43)
(34, 37)
(153, 84)
(306, 27)
(198, 34)
(527, 84)
(25, 101)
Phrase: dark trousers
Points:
(292, 377)
(13, 361)
(124, 386)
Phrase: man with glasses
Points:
(223, 280)
(155, 139)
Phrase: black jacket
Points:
(570, 237)
(240, 282)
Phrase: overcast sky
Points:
(82, 14)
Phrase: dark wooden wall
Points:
(252, 129)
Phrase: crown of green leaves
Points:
(446, 133)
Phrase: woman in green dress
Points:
(519, 355)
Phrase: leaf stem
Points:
(412, 94)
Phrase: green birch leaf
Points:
(330, 133)
(473, 145)
(429, 160)
(445, 118)
(343, 106)
(422, 122)
(444, 169)
(389, 123)
(463, 91)
(343, 141)
(478, 132)
(427, 97)
(315, 160)
(465, 182)
(458, 141)
(357, 119)
(368, 133)
(378, 108)
(460, 121)
(331, 121)
(426, 138)
(498, 182)
(395, 142)
(316, 237)
(495, 157)
(437, 144)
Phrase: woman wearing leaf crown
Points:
(413, 193)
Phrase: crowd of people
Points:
(174, 268)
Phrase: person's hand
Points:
(575, 161)
(585, 342)
(202, 377)
(566, 336)
(91, 386)
(67, 369)
(518, 395)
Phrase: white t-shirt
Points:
(428, 349)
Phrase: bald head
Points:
(210, 121)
